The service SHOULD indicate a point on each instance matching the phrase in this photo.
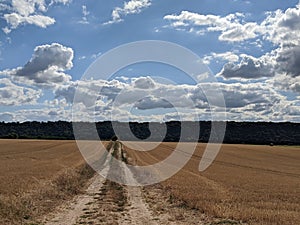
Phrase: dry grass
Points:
(37, 176)
(254, 184)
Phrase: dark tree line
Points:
(285, 133)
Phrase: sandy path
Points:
(138, 211)
(69, 214)
(98, 206)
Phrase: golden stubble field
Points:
(254, 184)
(25, 163)
(250, 183)
(36, 176)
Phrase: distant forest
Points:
(269, 133)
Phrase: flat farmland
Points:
(25, 163)
(249, 183)
(36, 175)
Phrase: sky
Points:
(250, 48)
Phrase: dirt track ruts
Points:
(106, 202)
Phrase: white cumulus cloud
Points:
(249, 67)
(14, 95)
(23, 12)
(130, 7)
(46, 67)
(14, 20)
(231, 27)
(225, 56)
(151, 102)
(144, 82)
(282, 27)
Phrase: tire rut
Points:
(107, 202)
(68, 215)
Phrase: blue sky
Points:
(251, 47)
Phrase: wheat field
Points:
(249, 183)
(36, 176)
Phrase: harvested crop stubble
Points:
(255, 184)
(37, 176)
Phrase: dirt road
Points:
(107, 202)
